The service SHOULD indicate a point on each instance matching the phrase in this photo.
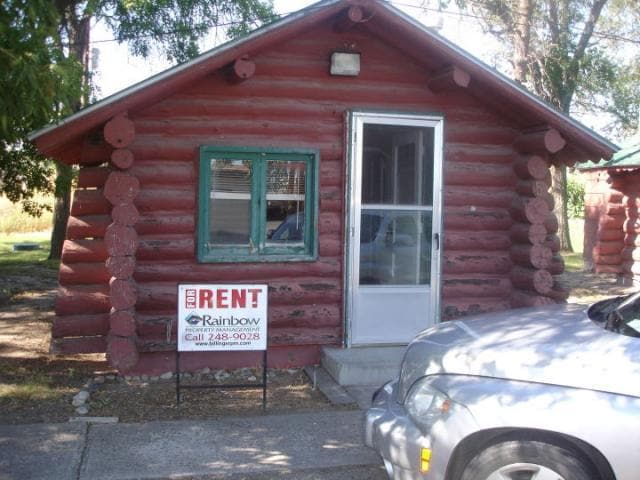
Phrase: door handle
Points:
(436, 240)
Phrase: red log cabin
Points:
(375, 176)
(612, 199)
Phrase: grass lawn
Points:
(11, 260)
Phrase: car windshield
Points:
(618, 314)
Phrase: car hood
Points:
(556, 344)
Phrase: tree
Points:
(557, 52)
(59, 32)
(37, 84)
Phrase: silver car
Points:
(550, 393)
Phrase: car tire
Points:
(527, 460)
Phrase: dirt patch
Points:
(38, 387)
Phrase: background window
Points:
(257, 204)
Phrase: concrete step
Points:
(362, 365)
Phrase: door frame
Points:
(355, 119)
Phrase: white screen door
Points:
(395, 227)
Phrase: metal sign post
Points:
(222, 318)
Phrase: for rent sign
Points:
(222, 317)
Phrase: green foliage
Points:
(177, 25)
(575, 198)
(37, 86)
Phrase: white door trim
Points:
(356, 121)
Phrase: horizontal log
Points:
(560, 291)
(308, 316)
(529, 299)
(166, 247)
(89, 202)
(533, 234)
(83, 273)
(448, 79)
(164, 173)
(122, 352)
(120, 240)
(529, 210)
(551, 224)
(122, 323)
(552, 242)
(476, 262)
(119, 132)
(122, 158)
(615, 210)
(348, 19)
(535, 256)
(93, 154)
(305, 336)
(153, 223)
(532, 167)
(82, 300)
(80, 325)
(76, 345)
(556, 266)
(538, 281)
(74, 251)
(461, 307)
(87, 226)
(463, 196)
(121, 188)
(121, 267)
(164, 270)
(609, 235)
(152, 199)
(475, 286)
(125, 214)
(478, 175)
(609, 269)
(329, 247)
(545, 140)
(608, 248)
(610, 222)
(92, 177)
(532, 188)
(468, 241)
(630, 252)
(155, 296)
(614, 259)
(460, 218)
(475, 133)
(481, 154)
(240, 70)
(123, 293)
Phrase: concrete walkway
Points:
(316, 445)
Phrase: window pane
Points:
(395, 247)
(230, 202)
(397, 165)
(286, 189)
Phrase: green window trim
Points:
(259, 250)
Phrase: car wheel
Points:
(527, 460)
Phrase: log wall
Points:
(607, 245)
(126, 252)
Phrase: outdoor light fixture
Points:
(345, 64)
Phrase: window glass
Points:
(230, 202)
(286, 193)
(257, 204)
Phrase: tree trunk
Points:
(521, 40)
(559, 191)
(61, 208)
(79, 29)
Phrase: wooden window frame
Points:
(260, 250)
